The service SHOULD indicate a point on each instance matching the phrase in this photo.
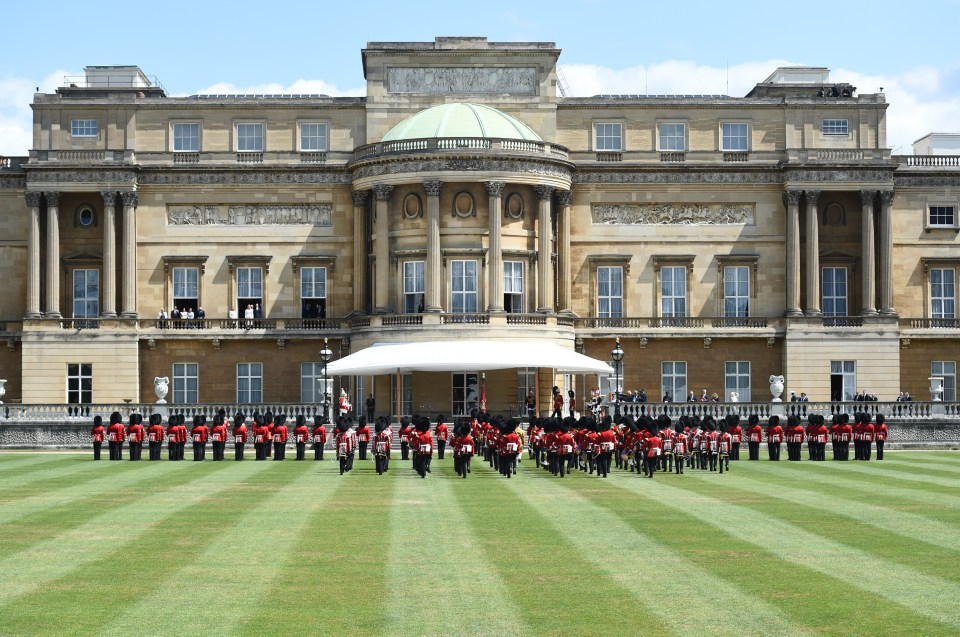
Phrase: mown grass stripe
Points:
(877, 470)
(720, 605)
(930, 465)
(910, 527)
(898, 584)
(18, 464)
(333, 579)
(229, 563)
(112, 531)
(23, 484)
(447, 565)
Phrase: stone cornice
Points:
(159, 178)
(14, 183)
(942, 180)
(525, 166)
(677, 177)
(84, 175)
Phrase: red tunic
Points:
(219, 433)
(463, 446)
(280, 433)
(653, 446)
(155, 433)
(425, 444)
(510, 444)
(363, 434)
(881, 431)
(774, 434)
(240, 433)
(735, 434)
(320, 435)
(755, 433)
(301, 433)
(381, 443)
(795, 434)
(98, 432)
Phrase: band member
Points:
(300, 436)
(724, 445)
(606, 445)
(462, 448)
(381, 446)
(261, 435)
(666, 439)
(219, 435)
(423, 453)
(774, 437)
(652, 448)
(98, 433)
(199, 434)
(711, 443)
(155, 436)
(115, 436)
(754, 434)
(821, 436)
(509, 447)
(182, 436)
(443, 433)
(319, 437)
(679, 449)
(346, 444)
(239, 435)
(795, 436)
(405, 433)
(363, 436)
(268, 442)
(135, 435)
(565, 446)
(736, 433)
(880, 434)
(345, 405)
(280, 435)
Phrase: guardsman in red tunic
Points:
(319, 437)
(508, 447)
(857, 436)
(846, 436)
(155, 436)
(443, 433)
(724, 445)
(423, 453)
(239, 435)
(173, 432)
(182, 436)
(260, 433)
(835, 436)
(199, 434)
(346, 444)
(280, 435)
(405, 433)
(736, 434)
(811, 434)
(795, 436)
(363, 436)
(381, 445)
(754, 435)
(269, 423)
(868, 433)
(463, 448)
(774, 437)
(666, 439)
(880, 434)
(652, 448)
(679, 449)
(711, 439)
(135, 435)
(606, 445)
(115, 436)
(98, 433)
(300, 436)
(219, 435)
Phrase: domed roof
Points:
(461, 120)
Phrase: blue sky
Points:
(609, 46)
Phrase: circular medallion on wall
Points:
(463, 205)
(412, 206)
(514, 206)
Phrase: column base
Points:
(382, 310)
(794, 313)
(108, 315)
(869, 312)
(495, 309)
(433, 309)
(33, 315)
(812, 313)
(129, 315)
(545, 310)
(52, 315)
(888, 312)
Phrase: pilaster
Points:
(382, 252)
(53, 255)
(813, 254)
(495, 253)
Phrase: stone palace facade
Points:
(723, 239)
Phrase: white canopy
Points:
(456, 356)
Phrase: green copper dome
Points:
(461, 120)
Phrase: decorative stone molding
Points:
(217, 343)
(544, 193)
(52, 197)
(707, 341)
(463, 205)
(672, 214)
(904, 343)
(886, 197)
(281, 344)
(152, 344)
(463, 165)
(433, 188)
(243, 177)
(13, 183)
(446, 80)
(644, 341)
(513, 206)
(76, 176)
(33, 198)
(109, 198)
(495, 188)
(811, 196)
(412, 206)
(771, 341)
(564, 197)
(678, 177)
(130, 198)
(927, 181)
(382, 192)
(867, 197)
(360, 197)
(251, 215)
(791, 197)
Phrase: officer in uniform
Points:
(219, 435)
(346, 442)
(239, 435)
(606, 444)
(406, 433)
(381, 446)
(98, 433)
(423, 453)
(260, 433)
(300, 436)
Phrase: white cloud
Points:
(16, 116)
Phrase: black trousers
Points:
(301, 450)
(773, 449)
(96, 450)
(735, 451)
(363, 450)
(278, 449)
(880, 449)
(197, 451)
(753, 448)
(260, 450)
(441, 447)
(136, 448)
(317, 451)
(238, 451)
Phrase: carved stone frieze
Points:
(79, 176)
(672, 214)
(462, 165)
(13, 183)
(927, 181)
(285, 177)
(686, 177)
(458, 79)
(250, 215)
(839, 175)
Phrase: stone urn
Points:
(776, 388)
(3, 388)
(936, 388)
(161, 385)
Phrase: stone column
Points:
(563, 253)
(109, 274)
(130, 202)
(813, 254)
(495, 256)
(791, 199)
(867, 249)
(33, 256)
(433, 271)
(53, 255)
(359, 250)
(544, 251)
(886, 253)
(382, 253)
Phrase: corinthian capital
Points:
(360, 197)
(495, 188)
(130, 198)
(382, 192)
(433, 188)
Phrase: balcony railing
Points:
(481, 144)
(685, 322)
(12, 163)
(934, 323)
(936, 161)
(891, 410)
(842, 321)
(526, 319)
(472, 319)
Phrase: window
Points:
(311, 383)
(186, 383)
(250, 288)
(513, 286)
(313, 138)
(834, 291)
(735, 136)
(186, 137)
(83, 128)
(360, 397)
(463, 287)
(313, 292)
(737, 379)
(610, 292)
(609, 136)
(835, 127)
(186, 288)
(79, 383)
(943, 293)
(86, 293)
(406, 396)
(736, 291)
(466, 393)
(250, 138)
(526, 381)
(843, 380)
(413, 287)
(948, 370)
(673, 291)
(249, 382)
(673, 136)
(942, 216)
(673, 379)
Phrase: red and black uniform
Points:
(711, 441)
(155, 436)
(754, 437)
(363, 439)
(509, 449)
(680, 450)
(270, 427)
(736, 433)
(868, 435)
(811, 434)
(652, 448)
(774, 438)
(565, 451)
(97, 433)
(846, 437)
(300, 436)
(261, 438)
(463, 449)
(880, 435)
(606, 446)
(319, 438)
(280, 434)
(346, 443)
(199, 434)
(666, 459)
(835, 437)
(239, 437)
(381, 450)
(406, 433)
(443, 433)
(182, 436)
(135, 435)
(219, 436)
(821, 436)
(173, 436)
(795, 437)
(724, 447)
(115, 436)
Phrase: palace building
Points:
(722, 239)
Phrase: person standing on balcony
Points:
(97, 432)
(201, 315)
(248, 316)
(345, 405)
(880, 434)
(162, 319)
(754, 434)
(774, 438)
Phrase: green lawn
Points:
(293, 548)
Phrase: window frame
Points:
(85, 299)
(84, 372)
(830, 127)
(673, 298)
(610, 297)
(406, 399)
(738, 375)
(943, 298)
(312, 372)
(174, 138)
(945, 206)
(608, 135)
(312, 271)
(183, 379)
(514, 271)
(172, 262)
(235, 263)
(300, 136)
(238, 137)
(684, 136)
(173, 284)
(678, 396)
(949, 379)
(834, 297)
(250, 377)
(464, 294)
(526, 380)
(411, 297)
(461, 407)
(724, 137)
(846, 374)
(81, 128)
(749, 261)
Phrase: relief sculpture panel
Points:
(672, 214)
(250, 215)
(448, 79)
